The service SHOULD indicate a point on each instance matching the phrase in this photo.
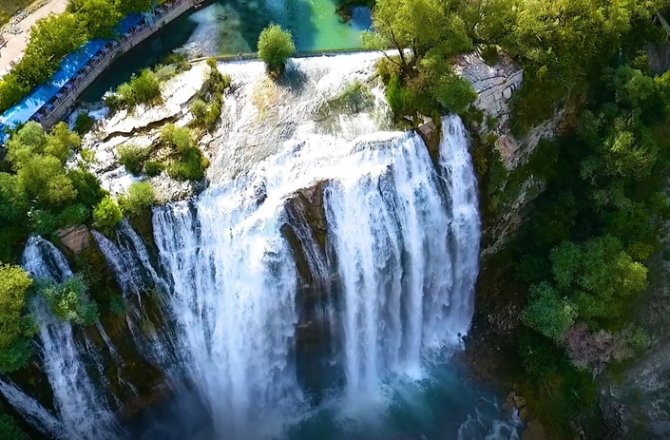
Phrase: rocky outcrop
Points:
(495, 85)
(75, 238)
(141, 126)
(305, 230)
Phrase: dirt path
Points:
(16, 32)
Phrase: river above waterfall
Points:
(230, 27)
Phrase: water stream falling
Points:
(326, 246)
(81, 409)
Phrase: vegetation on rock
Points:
(15, 325)
(275, 47)
(38, 192)
(425, 35)
(69, 301)
(188, 163)
(107, 214)
(138, 200)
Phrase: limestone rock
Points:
(75, 238)
(430, 134)
(493, 84)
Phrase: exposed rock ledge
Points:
(495, 85)
(141, 126)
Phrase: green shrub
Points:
(13, 201)
(139, 199)
(132, 157)
(107, 215)
(199, 109)
(42, 222)
(76, 214)
(10, 429)
(69, 301)
(15, 325)
(153, 168)
(454, 93)
(83, 124)
(141, 89)
(275, 46)
(176, 138)
(87, 185)
(190, 166)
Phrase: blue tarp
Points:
(71, 64)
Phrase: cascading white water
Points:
(404, 235)
(407, 252)
(128, 258)
(401, 252)
(233, 298)
(81, 409)
(33, 412)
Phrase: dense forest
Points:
(582, 258)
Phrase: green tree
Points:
(275, 46)
(139, 199)
(415, 27)
(132, 157)
(548, 313)
(69, 301)
(107, 215)
(130, 6)
(98, 17)
(62, 142)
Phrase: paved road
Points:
(16, 34)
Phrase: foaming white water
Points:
(233, 298)
(407, 251)
(82, 411)
(33, 412)
(405, 247)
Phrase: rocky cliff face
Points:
(495, 85)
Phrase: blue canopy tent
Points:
(69, 68)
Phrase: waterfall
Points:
(33, 412)
(82, 411)
(128, 258)
(407, 253)
(233, 297)
(405, 237)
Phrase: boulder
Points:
(75, 238)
